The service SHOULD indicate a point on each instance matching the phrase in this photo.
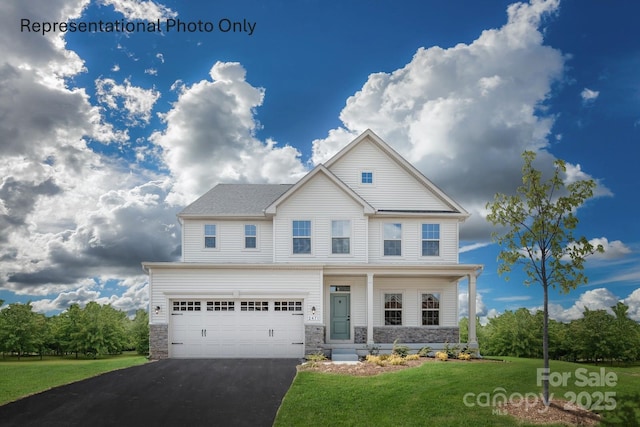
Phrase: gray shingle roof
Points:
(235, 200)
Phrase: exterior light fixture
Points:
(313, 310)
(157, 310)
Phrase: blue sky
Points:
(104, 136)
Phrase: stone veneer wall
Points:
(314, 338)
(158, 341)
(407, 334)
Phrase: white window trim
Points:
(244, 237)
(311, 237)
(402, 310)
(402, 248)
(429, 291)
(373, 178)
(217, 236)
(420, 240)
(331, 236)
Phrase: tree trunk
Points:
(545, 346)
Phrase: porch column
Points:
(370, 308)
(472, 341)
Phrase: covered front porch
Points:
(369, 308)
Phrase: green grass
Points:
(432, 394)
(19, 378)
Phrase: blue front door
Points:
(340, 317)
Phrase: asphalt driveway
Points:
(176, 392)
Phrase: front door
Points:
(340, 317)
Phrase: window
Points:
(430, 309)
(393, 239)
(210, 236)
(430, 239)
(301, 237)
(254, 306)
(186, 306)
(393, 309)
(250, 236)
(366, 178)
(220, 305)
(340, 237)
(287, 306)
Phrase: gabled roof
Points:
(233, 200)
(320, 169)
(384, 147)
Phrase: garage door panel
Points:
(237, 328)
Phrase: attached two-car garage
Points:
(238, 328)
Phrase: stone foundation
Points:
(407, 334)
(158, 341)
(314, 338)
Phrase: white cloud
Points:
(596, 299)
(472, 247)
(140, 9)
(633, 301)
(218, 118)
(463, 115)
(612, 250)
(68, 214)
(138, 102)
(463, 304)
(589, 96)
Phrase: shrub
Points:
(412, 357)
(441, 355)
(424, 351)
(400, 350)
(316, 357)
(397, 360)
(373, 349)
(464, 356)
(377, 360)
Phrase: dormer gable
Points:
(387, 181)
(319, 170)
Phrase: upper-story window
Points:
(430, 239)
(301, 237)
(210, 236)
(341, 237)
(392, 239)
(366, 177)
(250, 236)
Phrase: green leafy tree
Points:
(513, 333)
(19, 329)
(537, 225)
(139, 332)
(626, 335)
(593, 335)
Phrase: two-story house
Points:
(362, 251)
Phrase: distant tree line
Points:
(90, 331)
(596, 337)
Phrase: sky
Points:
(115, 114)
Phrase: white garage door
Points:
(236, 328)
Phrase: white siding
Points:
(320, 201)
(184, 283)
(411, 290)
(412, 241)
(393, 187)
(229, 242)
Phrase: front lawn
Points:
(441, 393)
(19, 378)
